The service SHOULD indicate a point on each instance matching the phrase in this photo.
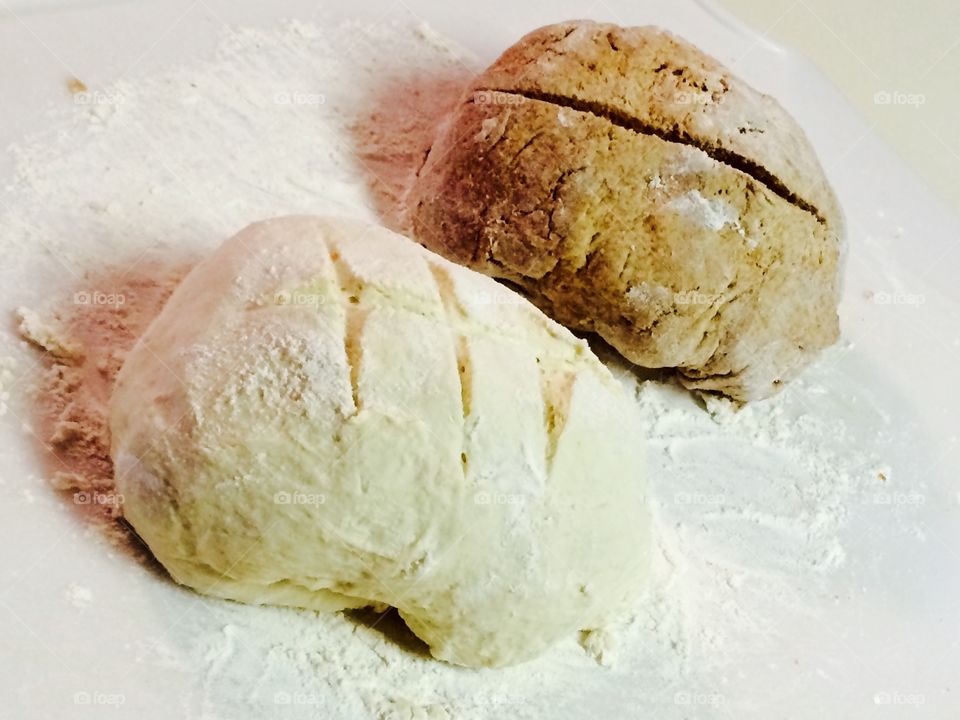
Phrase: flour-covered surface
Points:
(761, 596)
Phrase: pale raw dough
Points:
(325, 415)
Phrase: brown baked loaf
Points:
(631, 186)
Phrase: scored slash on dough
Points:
(722, 155)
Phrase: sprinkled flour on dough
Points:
(749, 504)
(710, 213)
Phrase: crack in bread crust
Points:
(731, 159)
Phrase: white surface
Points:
(874, 49)
(890, 629)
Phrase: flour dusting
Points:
(712, 213)
(749, 503)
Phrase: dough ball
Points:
(631, 186)
(326, 415)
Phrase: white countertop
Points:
(897, 62)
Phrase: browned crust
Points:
(662, 83)
(564, 197)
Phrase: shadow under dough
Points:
(389, 624)
(84, 339)
(395, 129)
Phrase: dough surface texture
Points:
(326, 415)
(631, 186)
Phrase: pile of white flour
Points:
(750, 505)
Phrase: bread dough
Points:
(326, 415)
(632, 186)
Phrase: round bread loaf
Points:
(631, 186)
(326, 415)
